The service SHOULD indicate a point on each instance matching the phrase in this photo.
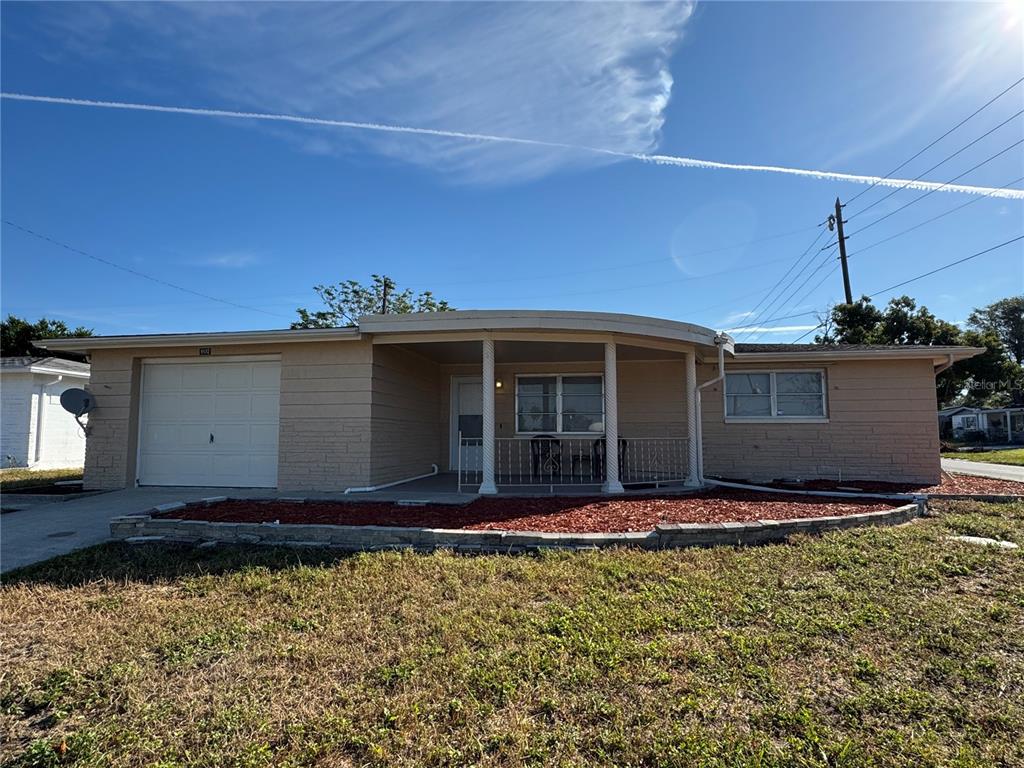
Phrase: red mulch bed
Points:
(542, 513)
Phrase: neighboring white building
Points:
(1000, 425)
(35, 431)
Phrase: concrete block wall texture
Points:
(406, 399)
(881, 426)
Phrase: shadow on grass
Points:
(157, 562)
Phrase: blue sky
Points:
(256, 212)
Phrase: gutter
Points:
(943, 366)
(720, 341)
(382, 486)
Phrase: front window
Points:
(775, 395)
(560, 404)
(969, 422)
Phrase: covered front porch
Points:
(533, 411)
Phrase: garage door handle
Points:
(211, 437)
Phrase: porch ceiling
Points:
(453, 352)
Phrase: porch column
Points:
(487, 476)
(611, 422)
(692, 434)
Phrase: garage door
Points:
(212, 424)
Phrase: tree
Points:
(991, 378)
(347, 301)
(1004, 318)
(17, 334)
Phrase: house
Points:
(37, 432)
(501, 399)
(946, 418)
(994, 425)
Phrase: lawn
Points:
(12, 479)
(1013, 456)
(886, 646)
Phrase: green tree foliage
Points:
(17, 334)
(345, 302)
(992, 378)
(1004, 318)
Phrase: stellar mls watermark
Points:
(993, 385)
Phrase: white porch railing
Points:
(557, 461)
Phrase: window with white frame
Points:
(560, 404)
(968, 422)
(775, 395)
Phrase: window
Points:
(560, 404)
(968, 422)
(775, 395)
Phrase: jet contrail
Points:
(686, 162)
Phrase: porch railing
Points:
(566, 461)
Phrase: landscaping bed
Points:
(543, 513)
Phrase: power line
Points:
(805, 333)
(921, 152)
(135, 272)
(945, 160)
(757, 312)
(947, 266)
(931, 191)
(786, 303)
(972, 201)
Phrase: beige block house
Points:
(497, 400)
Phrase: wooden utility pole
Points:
(384, 297)
(842, 252)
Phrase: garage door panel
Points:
(163, 377)
(184, 404)
(266, 376)
(202, 377)
(266, 406)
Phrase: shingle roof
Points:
(28, 361)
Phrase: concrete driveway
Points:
(40, 529)
(982, 469)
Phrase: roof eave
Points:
(936, 354)
(90, 343)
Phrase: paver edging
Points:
(145, 527)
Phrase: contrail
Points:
(686, 162)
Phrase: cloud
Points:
(480, 139)
(230, 260)
(590, 74)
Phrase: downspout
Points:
(698, 416)
(41, 417)
(943, 366)
(382, 486)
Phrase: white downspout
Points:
(41, 416)
(943, 366)
(370, 488)
(698, 417)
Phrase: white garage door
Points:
(212, 424)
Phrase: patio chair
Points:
(545, 456)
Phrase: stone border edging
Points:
(358, 538)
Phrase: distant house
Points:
(994, 425)
(36, 431)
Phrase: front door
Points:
(467, 421)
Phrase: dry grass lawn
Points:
(868, 647)
(12, 479)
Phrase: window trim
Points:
(558, 402)
(775, 419)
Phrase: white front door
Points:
(467, 420)
(209, 423)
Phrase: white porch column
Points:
(692, 434)
(487, 480)
(611, 422)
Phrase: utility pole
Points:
(384, 297)
(838, 218)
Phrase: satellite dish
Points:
(77, 402)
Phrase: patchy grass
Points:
(884, 647)
(12, 479)
(1014, 456)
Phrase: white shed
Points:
(35, 431)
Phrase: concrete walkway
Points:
(41, 529)
(982, 469)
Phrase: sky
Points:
(242, 216)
